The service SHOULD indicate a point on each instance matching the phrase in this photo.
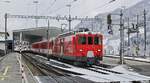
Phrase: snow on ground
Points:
(126, 76)
(133, 58)
(126, 70)
(98, 77)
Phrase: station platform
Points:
(10, 69)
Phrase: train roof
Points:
(77, 32)
(89, 32)
(69, 34)
(39, 42)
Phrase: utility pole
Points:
(121, 38)
(20, 40)
(109, 22)
(6, 33)
(69, 20)
(145, 32)
(137, 28)
(92, 25)
(36, 11)
(128, 38)
(48, 40)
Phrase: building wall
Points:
(2, 45)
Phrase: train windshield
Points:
(97, 40)
(82, 40)
(90, 40)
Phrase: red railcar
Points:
(84, 47)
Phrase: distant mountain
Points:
(130, 13)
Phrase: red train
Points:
(85, 47)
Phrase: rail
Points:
(49, 71)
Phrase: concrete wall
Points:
(2, 45)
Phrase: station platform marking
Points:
(5, 72)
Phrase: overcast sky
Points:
(80, 8)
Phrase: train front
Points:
(89, 47)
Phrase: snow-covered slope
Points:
(113, 40)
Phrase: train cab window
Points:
(97, 40)
(82, 40)
(90, 40)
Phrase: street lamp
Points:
(36, 11)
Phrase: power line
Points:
(98, 7)
(63, 6)
(51, 5)
(57, 9)
(50, 17)
(69, 19)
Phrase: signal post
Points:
(109, 22)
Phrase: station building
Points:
(31, 35)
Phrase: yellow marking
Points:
(3, 76)
(5, 72)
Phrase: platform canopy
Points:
(36, 34)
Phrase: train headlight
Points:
(81, 50)
(99, 50)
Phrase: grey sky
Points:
(79, 8)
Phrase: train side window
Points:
(97, 40)
(90, 40)
(82, 40)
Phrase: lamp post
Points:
(36, 11)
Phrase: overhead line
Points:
(99, 7)
(51, 5)
(49, 17)
(63, 6)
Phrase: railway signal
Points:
(109, 22)
(121, 24)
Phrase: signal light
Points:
(109, 21)
(133, 26)
(110, 31)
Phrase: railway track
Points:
(54, 75)
(41, 70)
(105, 69)
(120, 74)
(96, 73)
